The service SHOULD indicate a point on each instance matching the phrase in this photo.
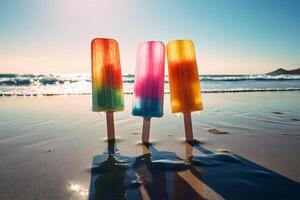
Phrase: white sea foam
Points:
(80, 84)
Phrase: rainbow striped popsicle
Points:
(107, 88)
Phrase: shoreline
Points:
(263, 90)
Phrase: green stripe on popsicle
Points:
(106, 99)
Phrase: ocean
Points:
(80, 84)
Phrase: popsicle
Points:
(149, 84)
(184, 81)
(107, 90)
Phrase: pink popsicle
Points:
(149, 81)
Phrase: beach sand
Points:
(249, 147)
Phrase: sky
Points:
(230, 36)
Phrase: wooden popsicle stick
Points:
(145, 150)
(110, 125)
(188, 126)
(146, 130)
(188, 151)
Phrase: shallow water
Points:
(80, 83)
(30, 126)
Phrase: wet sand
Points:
(250, 140)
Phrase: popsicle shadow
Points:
(160, 171)
(152, 175)
(234, 177)
(164, 175)
(108, 174)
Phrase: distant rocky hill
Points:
(282, 71)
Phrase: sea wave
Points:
(61, 93)
(31, 79)
(262, 77)
(58, 79)
(80, 84)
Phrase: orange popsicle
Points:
(183, 77)
(184, 81)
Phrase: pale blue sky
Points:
(231, 36)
